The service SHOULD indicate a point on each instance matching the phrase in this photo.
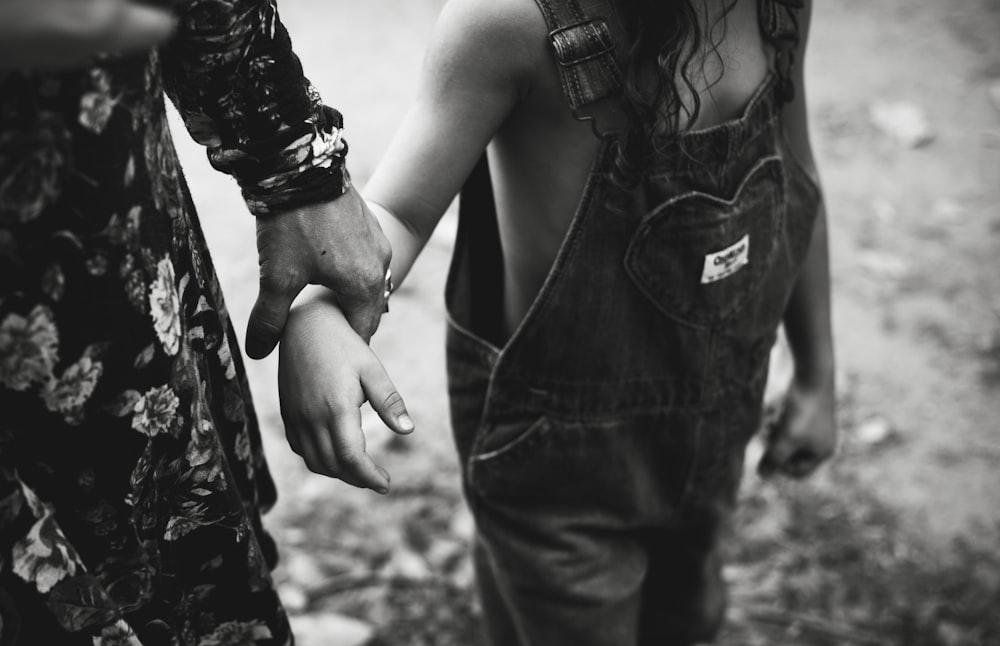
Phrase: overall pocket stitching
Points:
(651, 285)
(753, 172)
(533, 430)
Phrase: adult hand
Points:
(805, 434)
(60, 34)
(339, 245)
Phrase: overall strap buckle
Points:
(582, 42)
(780, 26)
(584, 48)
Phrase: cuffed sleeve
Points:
(240, 89)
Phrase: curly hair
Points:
(668, 50)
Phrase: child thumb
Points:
(385, 399)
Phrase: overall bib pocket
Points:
(700, 258)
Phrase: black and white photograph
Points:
(499, 323)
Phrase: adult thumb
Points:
(385, 399)
(362, 316)
(267, 321)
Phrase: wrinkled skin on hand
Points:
(337, 244)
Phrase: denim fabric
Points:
(602, 444)
(780, 26)
(584, 48)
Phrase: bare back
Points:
(541, 156)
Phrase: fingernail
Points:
(405, 422)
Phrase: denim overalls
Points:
(602, 444)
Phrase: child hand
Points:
(325, 373)
(806, 433)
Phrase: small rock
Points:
(779, 376)
(751, 461)
(293, 597)
(328, 629)
(905, 122)
(303, 570)
(884, 210)
(883, 265)
(443, 551)
(291, 535)
(406, 564)
(463, 576)
(337, 562)
(463, 525)
(873, 431)
(946, 210)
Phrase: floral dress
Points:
(131, 473)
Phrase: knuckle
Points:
(336, 409)
(372, 278)
(393, 401)
(279, 279)
(362, 283)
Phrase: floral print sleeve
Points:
(231, 73)
(132, 474)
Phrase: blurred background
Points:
(897, 541)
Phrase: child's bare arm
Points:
(806, 434)
(472, 78)
(479, 63)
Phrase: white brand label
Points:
(727, 262)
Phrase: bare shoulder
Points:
(503, 39)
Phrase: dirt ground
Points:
(898, 540)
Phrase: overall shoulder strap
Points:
(584, 47)
(779, 24)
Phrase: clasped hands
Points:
(337, 244)
(326, 371)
